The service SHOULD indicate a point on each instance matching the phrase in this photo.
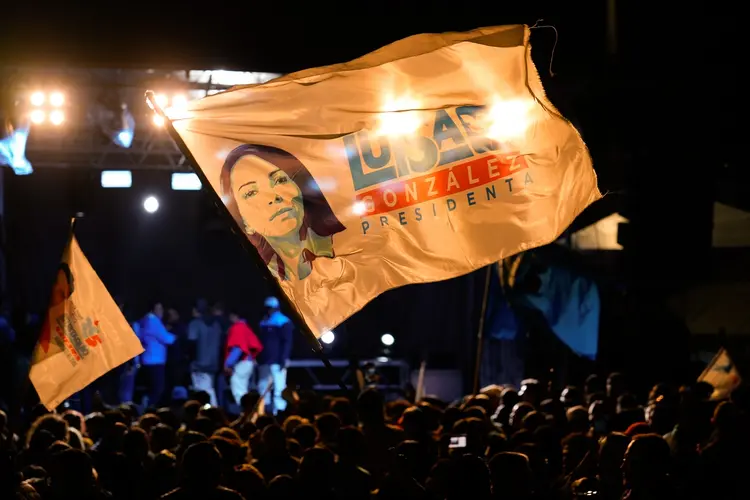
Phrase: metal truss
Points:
(79, 141)
(151, 149)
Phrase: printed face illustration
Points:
(61, 290)
(269, 202)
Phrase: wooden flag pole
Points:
(480, 329)
(237, 230)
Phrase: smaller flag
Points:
(722, 374)
(13, 149)
(501, 321)
(84, 334)
(568, 301)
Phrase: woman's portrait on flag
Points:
(61, 291)
(280, 207)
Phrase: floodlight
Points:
(186, 181)
(117, 178)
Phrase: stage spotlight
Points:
(37, 116)
(186, 181)
(387, 339)
(57, 117)
(151, 204)
(162, 101)
(117, 179)
(56, 99)
(37, 98)
(328, 338)
(179, 102)
(126, 130)
(124, 138)
(158, 120)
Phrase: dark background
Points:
(660, 115)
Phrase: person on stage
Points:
(205, 331)
(155, 339)
(242, 348)
(276, 338)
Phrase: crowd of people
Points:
(215, 351)
(596, 441)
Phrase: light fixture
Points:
(57, 99)
(37, 98)
(57, 117)
(151, 204)
(124, 138)
(328, 337)
(186, 181)
(179, 101)
(117, 179)
(162, 101)
(37, 116)
(158, 120)
(387, 339)
(126, 130)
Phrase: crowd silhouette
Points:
(596, 441)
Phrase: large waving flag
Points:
(84, 333)
(422, 161)
(722, 374)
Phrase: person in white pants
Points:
(242, 348)
(276, 336)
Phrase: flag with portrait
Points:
(84, 333)
(422, 161)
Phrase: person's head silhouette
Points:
(201, 467)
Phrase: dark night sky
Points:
(272, 36)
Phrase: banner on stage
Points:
(84, 334)
(422, 161)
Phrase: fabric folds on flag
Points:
(722, 374)
(84, 334)
(422, 161)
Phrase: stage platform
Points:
(312, 374)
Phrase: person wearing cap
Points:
(276, 338)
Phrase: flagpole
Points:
(236, 229)
(480, 329)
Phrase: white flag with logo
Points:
(722, 374)
(419, 162)
(84, 334)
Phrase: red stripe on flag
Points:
(398, 194)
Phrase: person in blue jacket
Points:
(155, 339)
(275, 335)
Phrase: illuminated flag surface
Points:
(722, 374)
(419, 162)
(84, 334)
